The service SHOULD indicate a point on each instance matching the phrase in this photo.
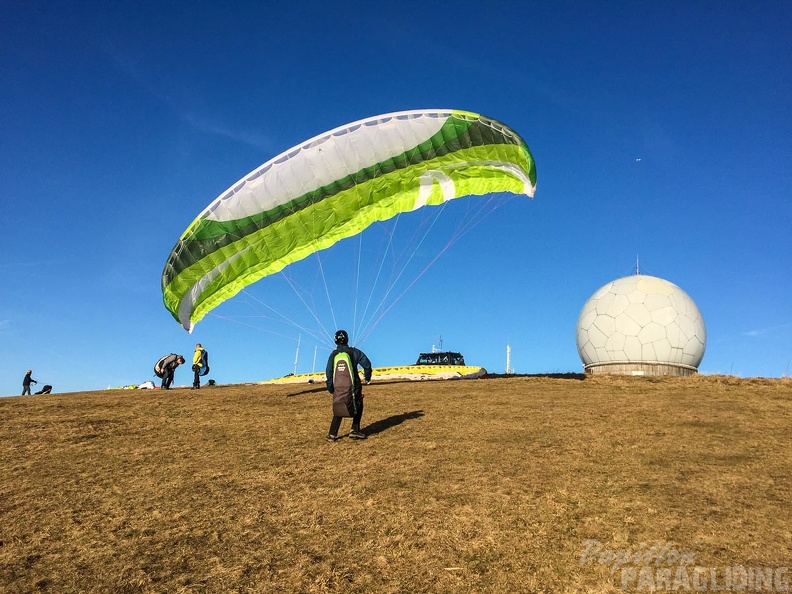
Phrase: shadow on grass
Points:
(392, 421)
(320, 387)
(316, 390)
(566, 376)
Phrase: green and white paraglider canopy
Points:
(332, 187)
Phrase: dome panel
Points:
(654, 302)
(632, 348)
(620, 303)
(680, 301)
(693, 353)
(663, 351)
(596, 337)
(587, 317)
(624, 285)
(604, 303)
(673, 334)
(664, 315)
(624, 324)
(701, 330)
(638, 313)
(651, 285)
(615, 343)
(606, 324)
(605, 289)
(689, 358)
(636, 297)
(648, 353)
(687, 329)
(652, 332)
(588, 354)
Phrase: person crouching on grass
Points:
(169, 366)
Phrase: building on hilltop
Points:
(641, 325)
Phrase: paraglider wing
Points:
(332, 187)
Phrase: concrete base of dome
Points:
(639, 369)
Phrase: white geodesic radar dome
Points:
(641, 324)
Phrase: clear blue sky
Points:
(660, 130)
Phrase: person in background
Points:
(169, 366)
(343, 382)
(26, 383)
(197, 366)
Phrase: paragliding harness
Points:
(345, 398)
(204, 366)
(159, 366)
(45, 390)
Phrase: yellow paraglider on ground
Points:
(430, 366)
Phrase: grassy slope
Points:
(464, 486)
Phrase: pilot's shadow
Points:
(392, 421)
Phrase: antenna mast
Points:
(297, 354)
(434, 348)
(508, 359)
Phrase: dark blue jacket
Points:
(358, 358)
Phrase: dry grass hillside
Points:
(519, 484)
